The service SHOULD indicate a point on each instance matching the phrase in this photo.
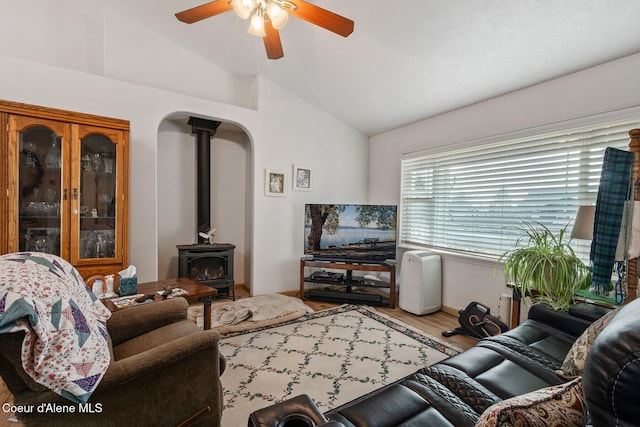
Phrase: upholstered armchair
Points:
(164, 370)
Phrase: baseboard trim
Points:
(241, 286)
(245, 288)
(450, 310)
(446, 309)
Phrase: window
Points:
(473, 199)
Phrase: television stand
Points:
(348, 282)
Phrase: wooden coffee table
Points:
(197, 292)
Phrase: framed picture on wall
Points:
(274, 183)
(302, 178)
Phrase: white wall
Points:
(139, 56)
(60, 66)
(596, 90)
(302, 135)
(176, 223)
(231, 204)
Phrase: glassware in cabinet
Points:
(37, 156)
(99, 221)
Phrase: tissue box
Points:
(127, 286)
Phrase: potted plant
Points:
(545, 264)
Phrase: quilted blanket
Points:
(65, 346)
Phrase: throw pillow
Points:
(559, 405)
(573, 363)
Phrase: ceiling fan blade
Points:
(272, 42)
(204, 11)
(322, 18)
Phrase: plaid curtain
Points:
(613, 191)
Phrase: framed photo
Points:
(302, 178)
(274, 183)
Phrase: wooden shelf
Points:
(347, 283)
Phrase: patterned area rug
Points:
(332, 355)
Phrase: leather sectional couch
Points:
(464, 389)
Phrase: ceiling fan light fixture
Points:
(266, 17)
(256, 25)
(243, 8)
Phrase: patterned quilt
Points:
(65, 346)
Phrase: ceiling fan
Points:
(268, 16)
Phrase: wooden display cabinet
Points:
(66, 179)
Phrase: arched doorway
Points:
(231, 189)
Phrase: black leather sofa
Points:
(456, 391)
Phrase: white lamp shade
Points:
(583, 225)
(256, 26)
(243, 8)
(278, 16)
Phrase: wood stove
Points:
(211, 264)
(204, 262)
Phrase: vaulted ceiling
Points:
(410, 59)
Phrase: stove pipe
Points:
(204, 131)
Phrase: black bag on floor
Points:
(476, 321)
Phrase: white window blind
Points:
(474, 199)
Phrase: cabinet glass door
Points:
(97, 228)
(37, 154)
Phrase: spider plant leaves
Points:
(544, 266)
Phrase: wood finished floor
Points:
(433, 324)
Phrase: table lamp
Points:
(583, 225)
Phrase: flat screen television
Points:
(350, 233)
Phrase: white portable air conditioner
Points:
(420, 282)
